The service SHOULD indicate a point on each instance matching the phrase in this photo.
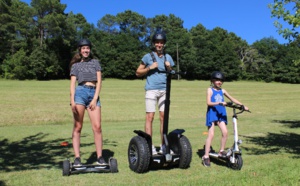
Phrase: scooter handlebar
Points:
(236, 106)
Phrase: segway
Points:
(69, 168)
(178, 151)
(233, 155)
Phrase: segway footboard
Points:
(160, 161)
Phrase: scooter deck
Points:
(216, 155)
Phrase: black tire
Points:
(237, 165)
(138, 154)
(185, 151)
(66, 168)
(113, 164)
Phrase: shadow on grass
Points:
(106, 154)
(2, 183)
(291, 124)
(34, 152)
(276, 143)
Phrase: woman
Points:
(85, 96)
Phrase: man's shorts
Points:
(153, 97)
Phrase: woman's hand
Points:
(73, 107)
(92, 105)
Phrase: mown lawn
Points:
(35, 118)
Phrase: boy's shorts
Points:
(152, 97)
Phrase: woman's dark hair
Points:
(76, 58)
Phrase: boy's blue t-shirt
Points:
(156, 80)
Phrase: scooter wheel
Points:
(66, 168)
(237, 165)
(185, 152)
(139, 154)
(113, 165)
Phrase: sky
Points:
(249, 19)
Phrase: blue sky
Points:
(249, 19)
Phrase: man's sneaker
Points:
(77, 162)
(206, 162)
(154, 152)
(101, 161)
(222, 154)
(162, 149)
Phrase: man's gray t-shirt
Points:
(155, 79)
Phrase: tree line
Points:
(39, 40)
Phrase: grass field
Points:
(35, 118)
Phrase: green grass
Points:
(35, 118)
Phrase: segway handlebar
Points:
(172, 72)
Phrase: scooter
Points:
(178, 151)
(233, 155)
(69, 168)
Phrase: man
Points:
(151, 65)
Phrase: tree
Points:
(287, 66)
(216, 50)
(44, 64)
(16, 66)
(288, 10)
(48, 18)
(14, 29)
(119, 42)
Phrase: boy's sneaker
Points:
(206, 162)
(77, 162)
(154, 152)
(101, 161)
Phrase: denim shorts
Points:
(84, 95)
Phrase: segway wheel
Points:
(113, 165)
(139, 154)
(237, 165)
(185, 152)
(66, 168)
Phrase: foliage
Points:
(16, 66)
(44, 40)
(288, 11)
